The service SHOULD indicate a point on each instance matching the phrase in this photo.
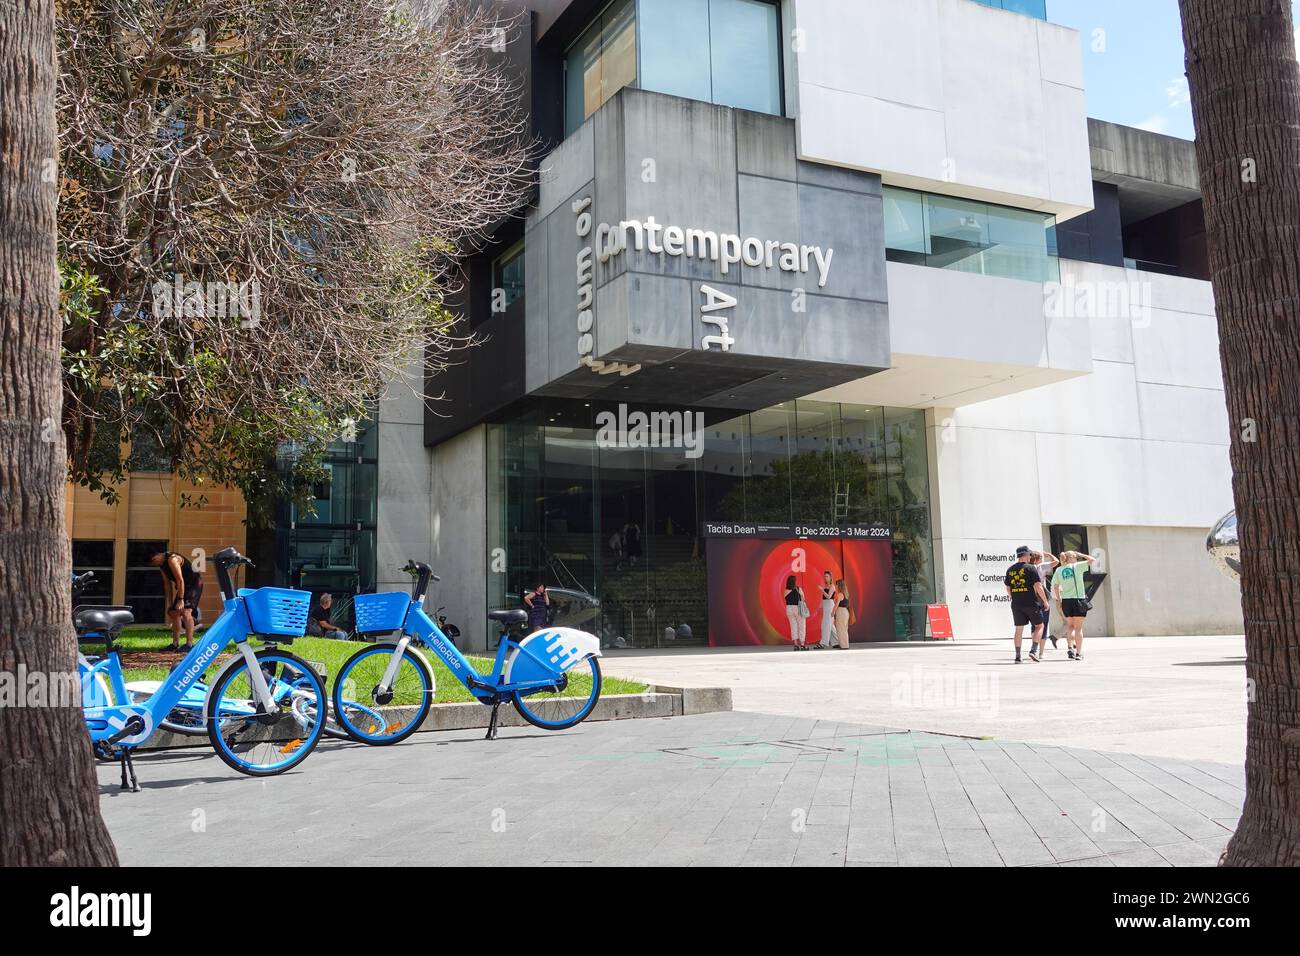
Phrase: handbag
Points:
(803, 609)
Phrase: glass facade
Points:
(332, 546)
(601, 63)
(508, 277)
(622, 525)
(1030, 8)
(719, 51)
(950, 233)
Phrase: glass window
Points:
(144, 586)
(618, 49)
(904, 212)
(950, 233)
(1030, 8)
(744, 43)
(508, 276)
(601, 63)
(719, 51)
(94, 556)
(581, 73)
(675, 54)
(767, 472)
(814, 488)
(147, 454)
(958, 232)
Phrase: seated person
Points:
(320, 621)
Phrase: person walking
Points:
(1071, 593)
(828, 611)
(794, 605)
(182, 590)
(1046, 563)
(537, 602)
(1025, 588)
(842, 615)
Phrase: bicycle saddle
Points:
(107, 618)
(510, 617)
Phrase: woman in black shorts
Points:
(1072, 598)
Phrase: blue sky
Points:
(1132, 61)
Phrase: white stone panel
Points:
(944, 94)
(1178, 348)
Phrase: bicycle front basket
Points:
(277, 611)
(380, 612)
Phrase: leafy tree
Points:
(261, 207)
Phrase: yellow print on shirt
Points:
(1016, 579)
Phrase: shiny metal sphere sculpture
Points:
(1223, 546)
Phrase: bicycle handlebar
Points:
(225, 559)
(422, 575)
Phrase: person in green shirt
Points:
(1071, 596)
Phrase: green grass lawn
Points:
(319, 651)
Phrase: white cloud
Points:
(1154, 124)
(1178, 92)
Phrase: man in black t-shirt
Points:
(1028, 600)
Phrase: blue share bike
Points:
(552, 676)
(265, 711)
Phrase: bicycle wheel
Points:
(262, 744)
(186, 721)
(567, 707)
(304, 705)
(375, 717)
(185, 718)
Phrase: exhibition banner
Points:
(748, 570)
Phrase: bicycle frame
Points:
(131, 724)
(485, 687)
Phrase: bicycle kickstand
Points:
(128, 769)
(492, 722)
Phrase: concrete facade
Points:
(1137, 450)
(945, 95)
(689, 165)
(458, 550)
(404, 529)
(1095, 401)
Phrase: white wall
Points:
(947, 95)
(1140, 443)
(957, 338)
(403, 526)
(459, 530)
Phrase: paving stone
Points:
(720, 789)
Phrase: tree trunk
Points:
(49, 801)
(1245, 88)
